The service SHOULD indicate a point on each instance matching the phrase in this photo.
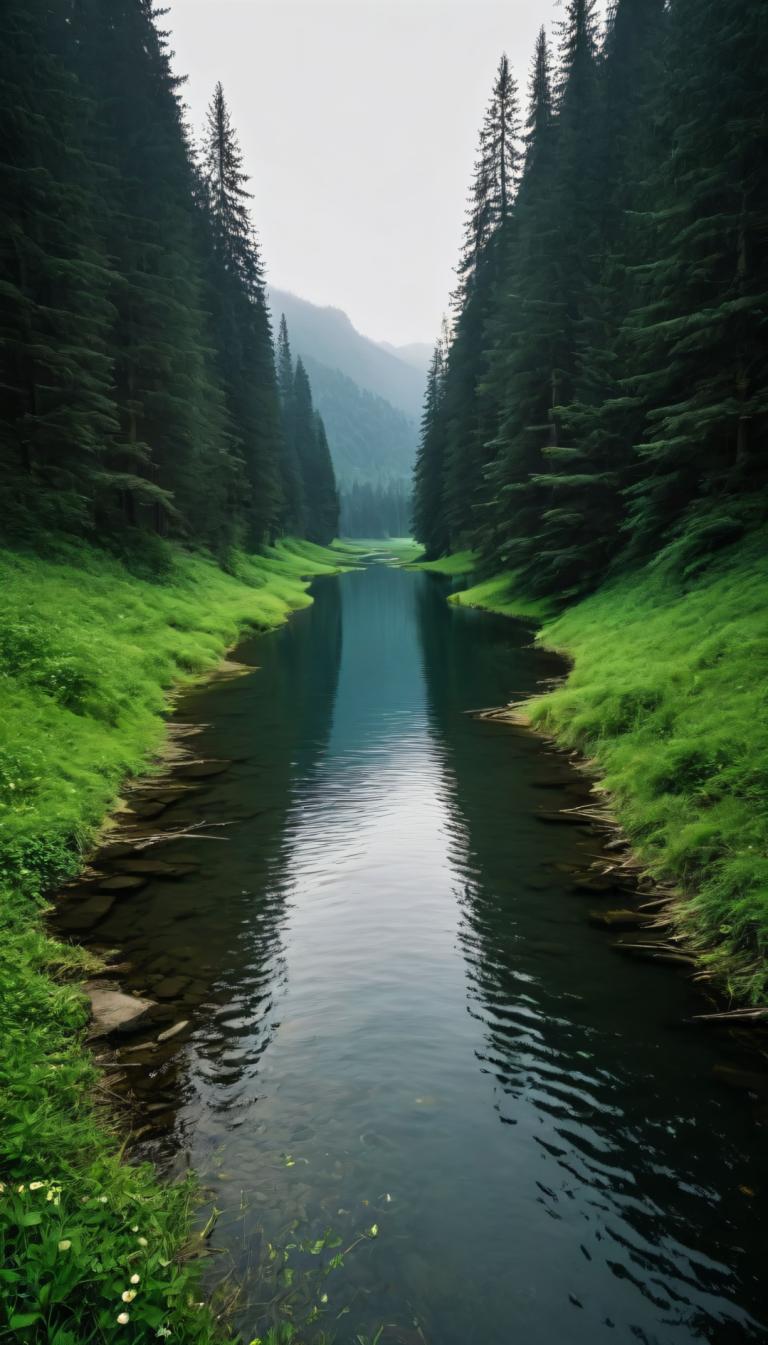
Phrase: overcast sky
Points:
(358, 120)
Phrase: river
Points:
(401, 1019)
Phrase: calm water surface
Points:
(400, 1015)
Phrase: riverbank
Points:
(667, 699)
(89, 651)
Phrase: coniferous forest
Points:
(139, 393)
(599, 394)
(373, 969)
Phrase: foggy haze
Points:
(358, 121)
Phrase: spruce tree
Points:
(527, 321)
(429, 522)
(292, 518)
(700, 339)
(57, 411)
(241, 322)
(468, 425)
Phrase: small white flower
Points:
(134, 1228)
(21, 1188)
(163, 1331)
(35, 1186)
(103, 1200)
(323, 1298)
(142, 1242)
(123, 1318)
(128, 1295)
(64, 1245)
(373, 1231)
(135, 1279)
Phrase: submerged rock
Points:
(114, 1011)
(171, 987)
(80, 916)
(158, 868)
(617, 919)
(122, 882)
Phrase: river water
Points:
(400, 1017)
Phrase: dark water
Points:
(400, 1015)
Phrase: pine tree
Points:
(56, 407)
(590, 465)
(290, 470)
(700, 340)
(321, 505)
(429, 522)
(527, 319)
(241, 323)
(169, 406)
(468, 423)
(324, 490)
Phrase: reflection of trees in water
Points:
(214, 940)
(636, 1191)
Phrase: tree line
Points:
(376, 509)
(600, 393)
(138, 388)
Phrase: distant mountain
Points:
(418, 354)
(371, 441)
(327, 335)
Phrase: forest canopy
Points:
(600, 393)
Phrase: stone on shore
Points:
(114, 1011)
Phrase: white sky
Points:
(358, 120)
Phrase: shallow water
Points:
(400, 1016)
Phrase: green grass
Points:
(88, 652)
(669, 697)
(500, 594)
(455, 565)
(402, 548)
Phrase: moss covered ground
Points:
(93, 1249)
(669, 697)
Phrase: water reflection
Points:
(635, 1166)
(401, 1016)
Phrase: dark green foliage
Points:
(137, 384)
(381, 509)
(311, 500)
(56, 409)
(429, 522)
(605, 391)
(468, 420)
(321, 503)
(290, 470)
(246, 358)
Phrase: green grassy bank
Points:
(92, 1249)
(669, 697)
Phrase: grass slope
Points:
(668, 696)
(88, 651)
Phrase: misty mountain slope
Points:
(416, 353)
(370, 439)
(327, 335)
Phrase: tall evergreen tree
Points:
(429, 522)
(700, 340)
(495, 180)
(244, 341)
(290, 467)
(57, 412)
(527, 322)
(321, 504)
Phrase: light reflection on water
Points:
(391, 981)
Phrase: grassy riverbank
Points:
(668, 697)
(89, 649)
